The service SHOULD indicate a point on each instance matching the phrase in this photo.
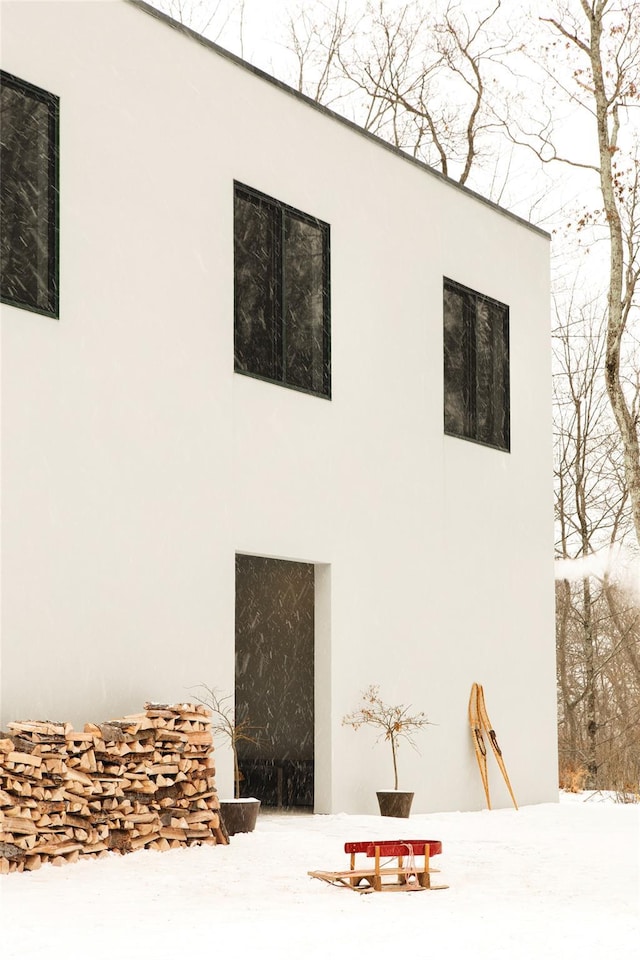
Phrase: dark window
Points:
(28, 196)
(476, 367)
(281, 261)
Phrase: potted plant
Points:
(394, 723)
(238, 815)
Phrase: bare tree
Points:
(581, 448)
(421, 78)
(210, 17)
(594, 61)
(597, 619)
(318, 38)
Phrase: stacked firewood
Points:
(145, 781)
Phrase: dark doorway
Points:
(274, 678)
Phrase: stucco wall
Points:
(135, 463)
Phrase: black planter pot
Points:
(239, 816)
(394, 803)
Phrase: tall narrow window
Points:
(476, 367)
(28, 196)
(281, 268)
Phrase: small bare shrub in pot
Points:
(393, 723)
(240, 814)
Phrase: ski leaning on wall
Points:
(479, 721)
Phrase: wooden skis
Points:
(479, 721)
(478, 741)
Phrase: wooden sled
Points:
(405, 875)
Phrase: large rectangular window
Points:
(476, 367)
(281, 264)
(28, 196)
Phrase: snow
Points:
(547, 881)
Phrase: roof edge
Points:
(314, 104)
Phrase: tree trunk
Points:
(567, 707)
(620, 294)
(395, 764)
(591, 725)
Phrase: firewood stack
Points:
(146, 781)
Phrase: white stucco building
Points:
(142, 468)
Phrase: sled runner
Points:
(404, 875)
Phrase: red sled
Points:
(406, 874)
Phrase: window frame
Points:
(470, 363)
(52, 102)
(279, 209)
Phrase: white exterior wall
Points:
(135, 463)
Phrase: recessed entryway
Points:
(274, 681)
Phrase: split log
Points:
(18, 825)
(47, 728)
(10, 851)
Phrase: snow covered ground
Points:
(549, 881)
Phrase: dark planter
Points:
(394, 803)
(239, 816)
